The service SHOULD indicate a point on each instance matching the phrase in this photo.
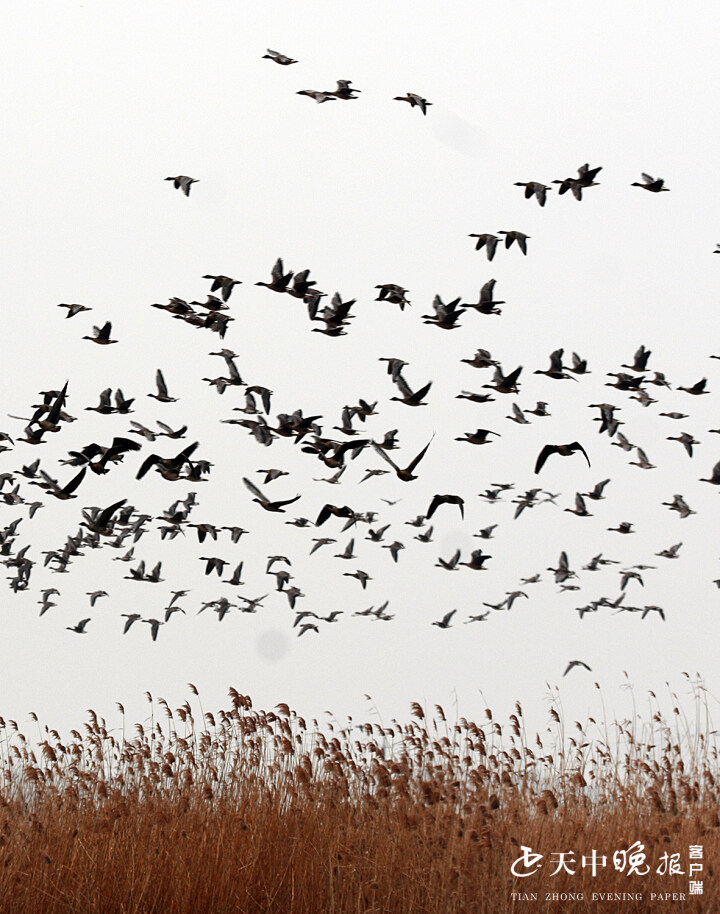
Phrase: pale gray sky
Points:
(102, 101)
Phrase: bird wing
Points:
(105, 515)
(161, 385)
(411, 466)
(386, 457)
(420, 394)
(434, 505)
(74, 482)
(543, 456)
(254, 489)
(576, 446)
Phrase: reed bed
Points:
(244, 810)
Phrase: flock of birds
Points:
(119, 526)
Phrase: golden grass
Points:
(258, 811)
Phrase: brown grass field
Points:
(260, 811)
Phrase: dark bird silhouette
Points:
(74, 309)
(279, 279)
(264, 502)
(410, 397)
(486, 304)
(162, 392)
(697, 388)
(488, 241)
(101, 335)
(654, 185)
(446, 315)
(394, 294)
(505, 384)
(318, 96)
(565, 450)
(168, 467)
(477, 560)
(449, 564)
(414, 101)
(479, 436)
(278, 58)
(573, 663)
(406, 474)
(445, 500)
(343, 90)
(445, 621)
(80, 628)
(687, 441)
(329, 510)
(183, 183)
(714, 478)
(519, 237)
(536, 189)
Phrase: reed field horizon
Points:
(247, 810)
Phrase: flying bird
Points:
(183, 183)
(565, 450)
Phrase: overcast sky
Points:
(101, 102)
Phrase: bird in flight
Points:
(277, 57)
(565, 450)
(573, 663)
(264, 501)
(101, 335)
(654, 185)
(414, 100)
(183, 183)
(406, 474)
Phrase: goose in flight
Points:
(394, 294)
(343, 90)
(536, 189)
(573, 663)
(482, 358)
(654, 185)
(445, 621)
(279, 58)
(414, 101)
(479, 436)
(183, 183)
(586, 178)
(224, 283)
(696, 389)
(445, 500)
(505, 384)
(168, 467)
(449, 564)
(279, 280)
(486, 304)
(686, 439)
(565, 450)
(446, 315)
(520, 237)
(562, 572)
(597, 492)
(317, 96)
(409, 396)
(405, 474)
(715, 476)
(488, 241)
(264, 502)
(101, 335)
(671, 552)
(477, 560)
(80, 628)
(74, 309)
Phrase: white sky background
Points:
(101, 101)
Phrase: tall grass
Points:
(260, 811)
